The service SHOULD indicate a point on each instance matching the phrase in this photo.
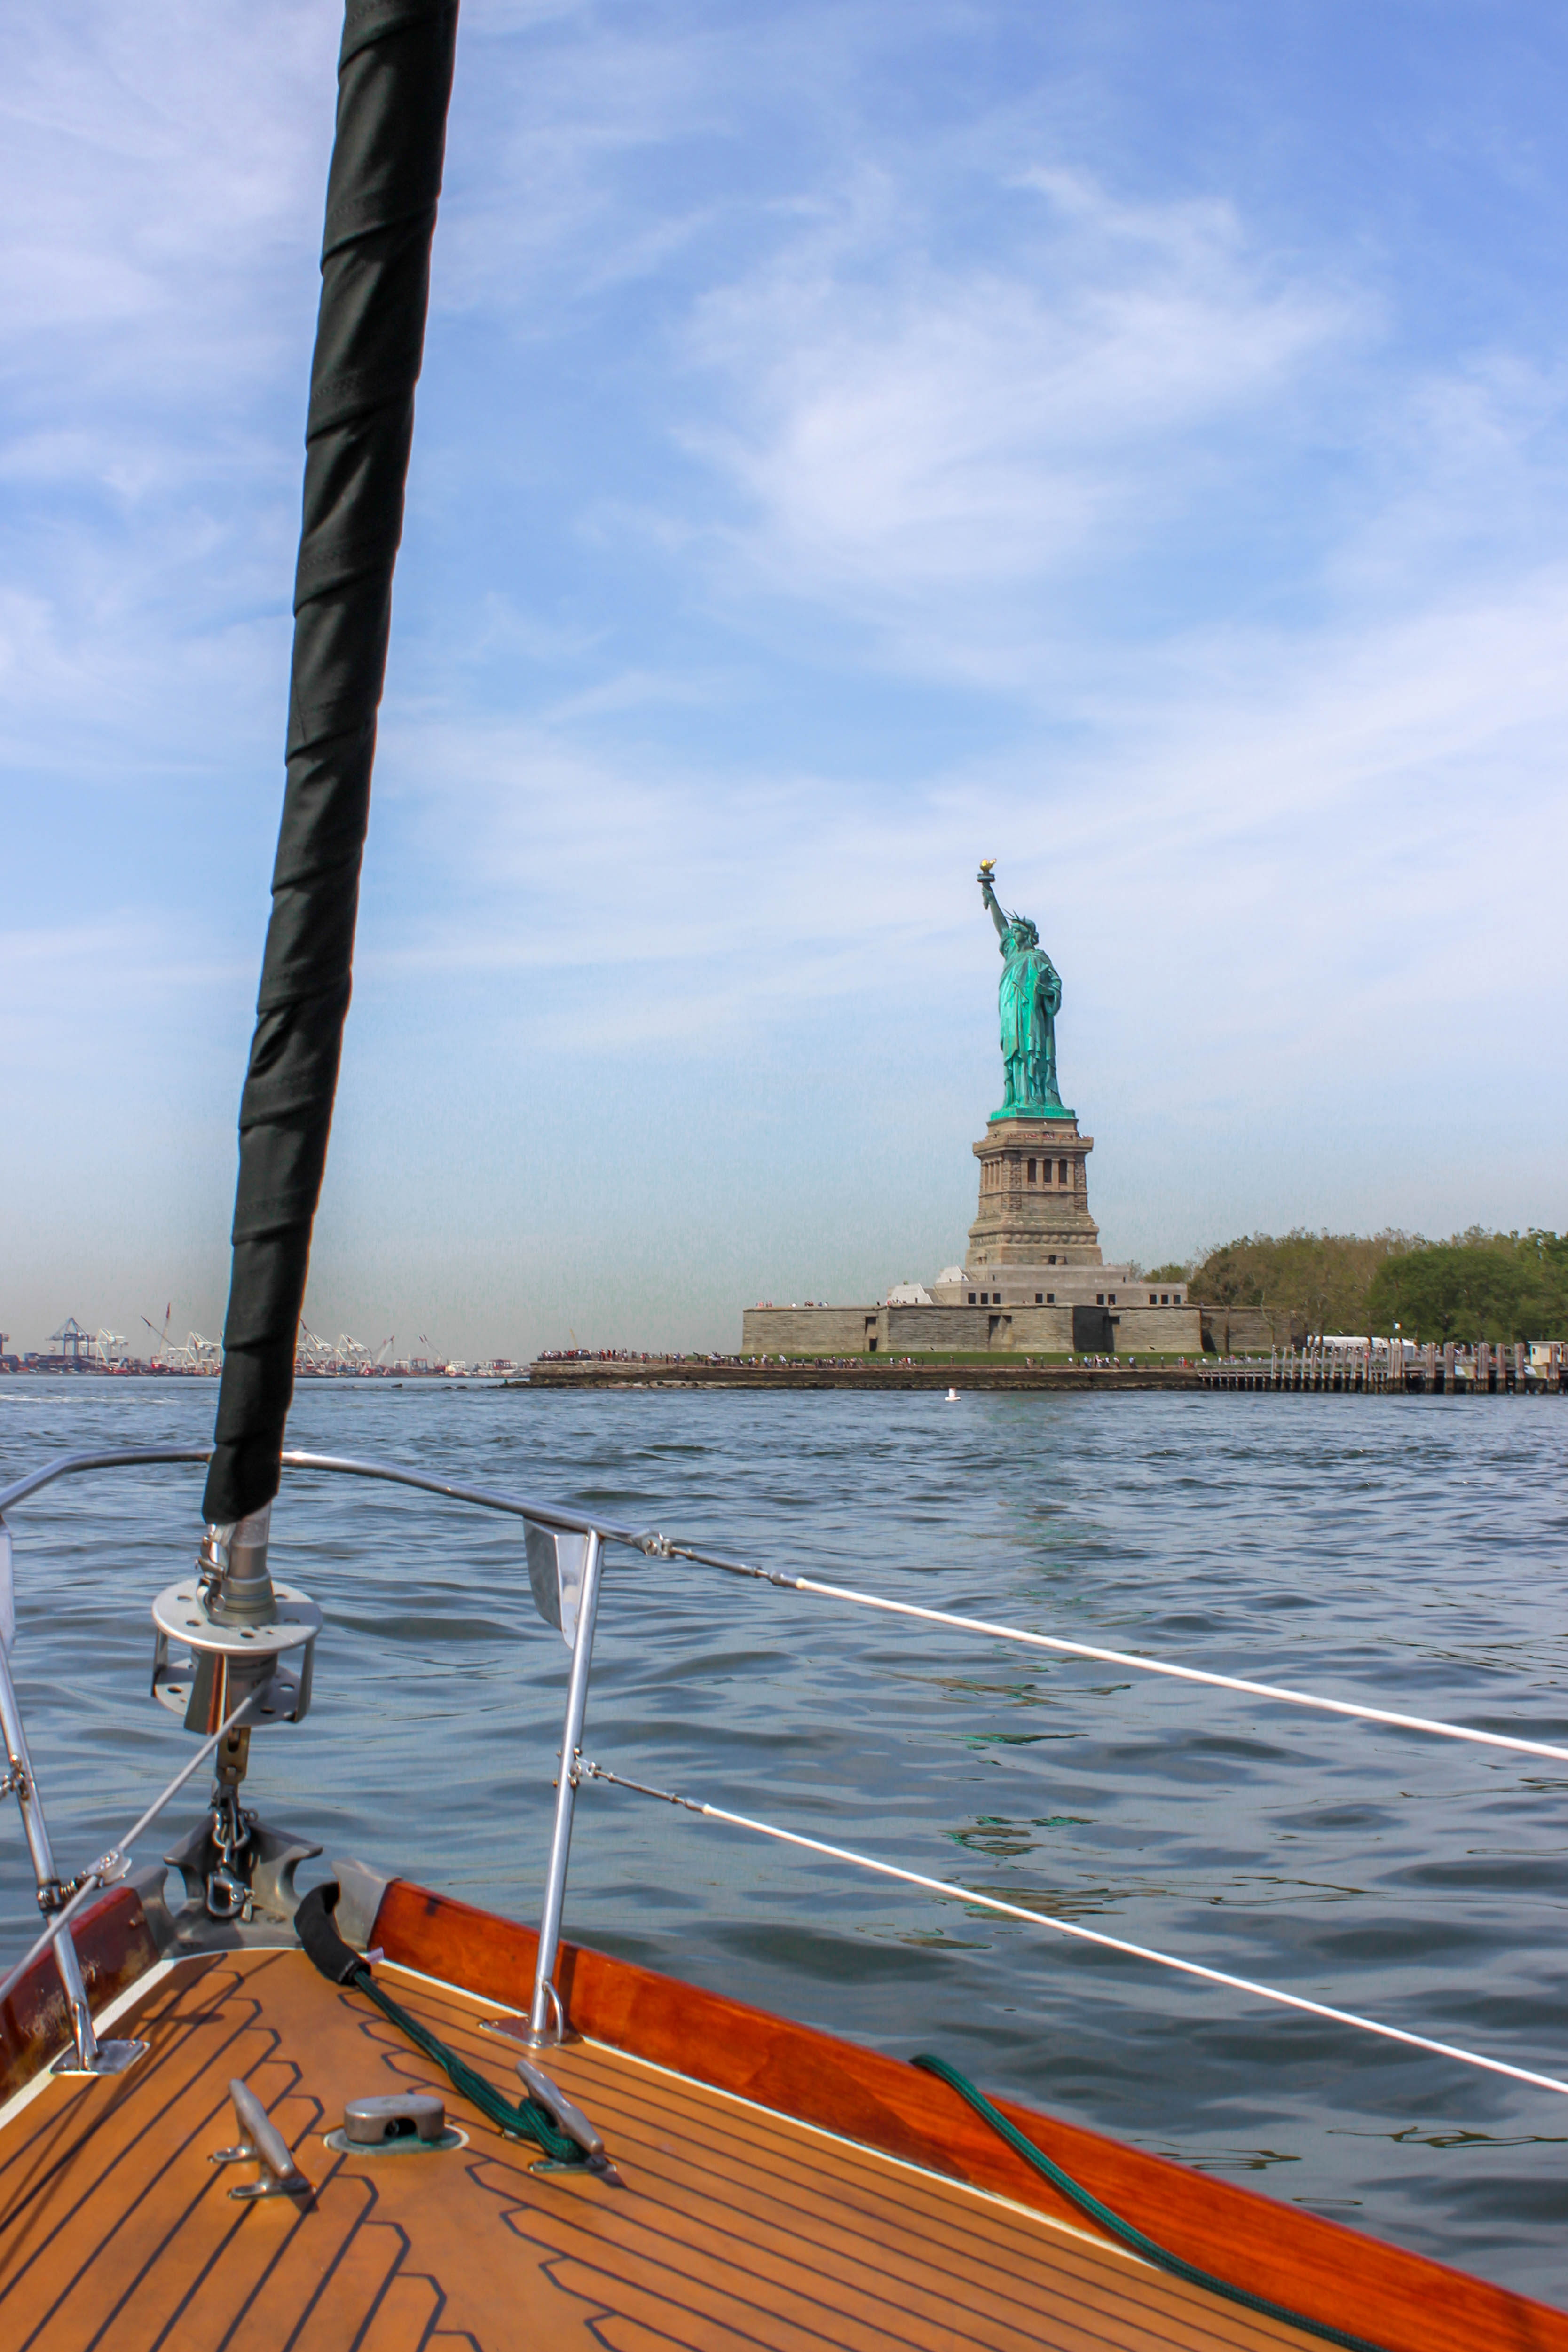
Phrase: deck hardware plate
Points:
(113, 2058)
(407, 2144)
(512, 2027)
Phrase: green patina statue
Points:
(1029, 998)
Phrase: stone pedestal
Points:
(1034, 1196)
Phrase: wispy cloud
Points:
(901, 424)
(161, 181)
(1332, 817)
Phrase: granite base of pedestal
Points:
(1057, 1330)
(1034, 1195)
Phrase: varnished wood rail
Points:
(1398, 2300)
(114, 1945)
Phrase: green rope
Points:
(529, 2121)
(1087, 2202)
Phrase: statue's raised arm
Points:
(987, 877)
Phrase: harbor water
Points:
(1404, 1551)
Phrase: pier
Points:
(1479, 1369)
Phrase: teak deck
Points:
(733, 2226)
(782, 2190)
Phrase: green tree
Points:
(1478, 1285)
(1323, 1278)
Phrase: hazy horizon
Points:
(853, 441)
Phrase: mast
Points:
(395, 79)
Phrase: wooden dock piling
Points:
(1484, 1369)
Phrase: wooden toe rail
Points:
(1398, 2300)
(114, 1945)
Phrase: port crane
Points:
(312, 1354)
(196, 1355)
(344, 1354)
(162, 1353)
(74, 1344)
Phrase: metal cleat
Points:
(262, 2144)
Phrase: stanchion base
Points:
(113, 2058)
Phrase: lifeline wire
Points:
(113, 1865)
(1124, 1658)
(1083, 1934)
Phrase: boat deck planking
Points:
(735, 2226)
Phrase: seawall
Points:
(868, 1373)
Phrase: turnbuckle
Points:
(228, 1894)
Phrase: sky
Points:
(1123, 439)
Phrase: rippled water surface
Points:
(1407, 1550)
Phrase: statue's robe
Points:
(1027, 999)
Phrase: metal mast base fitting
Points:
(226, 1631)
(201, 1671)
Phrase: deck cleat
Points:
(569, 2120)
(262, 2144)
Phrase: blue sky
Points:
(1125, 440)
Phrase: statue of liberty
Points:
(1029, 999)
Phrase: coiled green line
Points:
(1129, 2234)
(529, 2121)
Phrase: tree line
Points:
(1476, 1286)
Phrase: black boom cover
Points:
(394, 77)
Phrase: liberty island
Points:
(1033, 1276)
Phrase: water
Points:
(1407, 1550)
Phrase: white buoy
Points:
(952, 1396)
